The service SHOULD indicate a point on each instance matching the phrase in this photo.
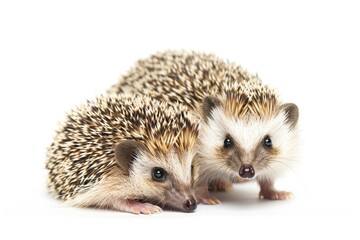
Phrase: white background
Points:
(54, 56)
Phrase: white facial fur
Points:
(178, 175)
(248, 135)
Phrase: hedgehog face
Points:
(249, 146)
(164, 180)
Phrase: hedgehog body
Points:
(117, 150)
(246, 131)
(185, 77)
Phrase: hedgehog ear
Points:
(209, 103)
(126, 152)
(291, 112)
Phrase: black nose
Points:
(246, 171)
(189, 205)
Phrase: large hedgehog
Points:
(246, 130)
(125, 153)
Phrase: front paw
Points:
(241, 180)
(135, 207)
(275, 195)
(220, 186)
(207, 199)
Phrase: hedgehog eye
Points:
(267, 142)
(228, 142)
(158, 174)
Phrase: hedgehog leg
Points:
(225, 185)
(202, 196)
(267, 191)
(135, 207)
(207, 200)
(220, 186)
(239, 179)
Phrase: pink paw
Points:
(145, 208)
(135, 207)
(276, 195)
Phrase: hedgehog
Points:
(246, 133)
(125, 153)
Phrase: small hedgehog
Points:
(131, 154)
(246, 131)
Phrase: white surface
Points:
(55, 55)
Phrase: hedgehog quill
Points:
(131, 154)
(246, 131)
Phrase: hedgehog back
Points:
(83, 150)
(180, 76)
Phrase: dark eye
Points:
(228, 142)
(267, 142)
(159, 174)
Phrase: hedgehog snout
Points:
(190, 204)
(247, 171)
(182, 199)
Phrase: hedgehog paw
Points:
(220, 186)
(275, 195)
(240, 180)
(135, 207)
(209, 200)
